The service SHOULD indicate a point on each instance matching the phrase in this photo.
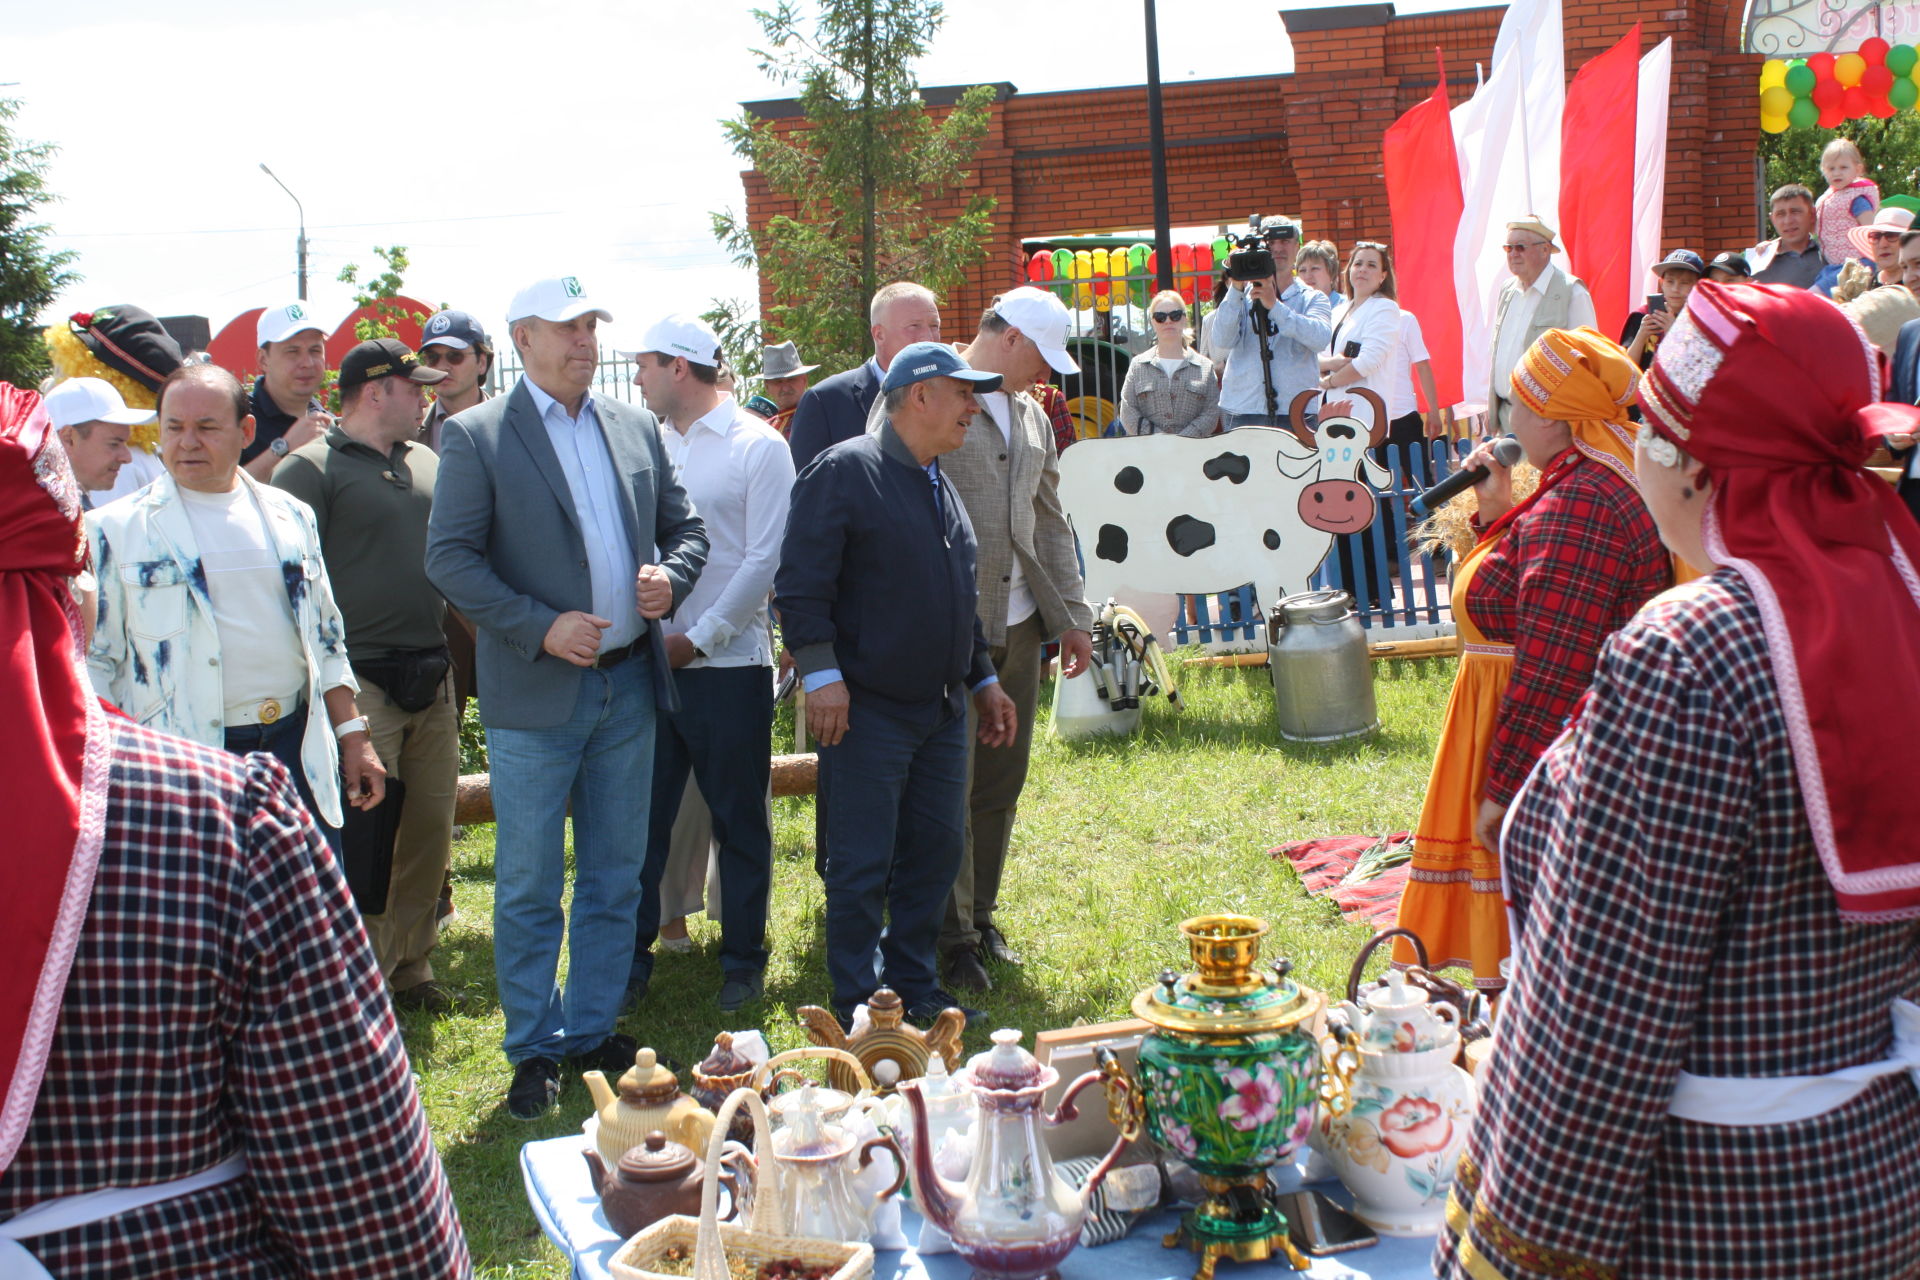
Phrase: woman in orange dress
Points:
(1549, 579)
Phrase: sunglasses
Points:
(435, 356)
(1884, 235)
(1168, 317)
(1521, 248)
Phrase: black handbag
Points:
(409, 677)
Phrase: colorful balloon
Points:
(1901, 59)
(1877, 80)
(1800, 80)
(1831, 118)
(1855, 103)
(1822, 64)
(1879, 106)
(1874, 50)
(1063, 264)
(1848, 68)
(1772, 72)
(1772, 124)
(1222, 247)
(1776, 101)
(1903, 94)
(1805, 115)
(1826, 96)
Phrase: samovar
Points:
(1231, 1079)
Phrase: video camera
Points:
(1251, 259)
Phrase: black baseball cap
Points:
(129, 340)
(1731, 261)
(385, 358)
(452, 329)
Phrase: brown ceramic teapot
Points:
(653, 1180)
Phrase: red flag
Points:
(1424, 201)
(1596, 180)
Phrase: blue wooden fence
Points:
(1418, 595)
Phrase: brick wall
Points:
(1309, 143)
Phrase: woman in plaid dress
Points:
(1704, 1065)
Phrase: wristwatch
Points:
(278, 448)
(356, 725)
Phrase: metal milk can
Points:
(1322, 677)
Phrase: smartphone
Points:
(1351, 351)
(1656, 302)
(1321, 1227)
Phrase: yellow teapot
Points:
(649, 1098)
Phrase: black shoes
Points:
(924, 1011)
(994, 943)
(962, 969)
(614, 1055)
(535, 1089)
(428, 997)
(738, 988)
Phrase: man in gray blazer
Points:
(1031, 592)
(550, 503)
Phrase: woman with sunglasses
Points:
(1170, 387)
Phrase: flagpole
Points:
(1526, 135)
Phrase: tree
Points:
(30, 276)
(378, 292)
(870, 173)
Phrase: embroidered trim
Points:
(1490, 649)
(1688, 357)
(1675, 416)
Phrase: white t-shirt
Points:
(1401, 400)
(260, 655)
(1020, 603)
(1169, 363)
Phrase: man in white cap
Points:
(293, 364)
(738, 472)
(550, 501)
(92, 421)
(1030, 590)
(1539, 297)
(784, 380)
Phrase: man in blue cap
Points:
(878, 605)
(456, 344)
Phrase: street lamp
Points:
(302, 243)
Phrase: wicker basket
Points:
(843, 1065)
(763, 1239)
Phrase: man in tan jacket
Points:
(1031, 591)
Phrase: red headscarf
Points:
(1777, 393)
(54, 752)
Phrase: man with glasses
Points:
(454, 343)
(1297, 326)
(1538, 298)
(1878, 246)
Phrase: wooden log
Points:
(473, 798)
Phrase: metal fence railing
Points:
(1392, 585)
(613, 378)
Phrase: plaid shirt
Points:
(1065, 425)
(1570, 572)
(223, 1000)
(1675, 916)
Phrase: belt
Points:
(266, 711)
(89, 1207)
(1748, 1100)
(614, 657)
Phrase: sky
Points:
(499, 141)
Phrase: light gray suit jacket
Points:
(504, 545)
(1012, 491)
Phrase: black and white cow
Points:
(1171, 514)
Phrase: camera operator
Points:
(1270, 338)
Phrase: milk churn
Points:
(1322, 677)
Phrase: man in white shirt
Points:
(1538, 298)
(739, 474)
(216, 618)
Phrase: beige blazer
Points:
(1012, 492)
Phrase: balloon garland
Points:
(1825, 90)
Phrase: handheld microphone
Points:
(1506, 449)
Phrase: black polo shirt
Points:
(270, 421)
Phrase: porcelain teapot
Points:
(817, 1159)
(1397, 1109)
(1014, 1218)
(649, 1098)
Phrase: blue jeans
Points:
(722, 734)
(601, 759)
(281, 740)
(896, 818)
(1230, 421)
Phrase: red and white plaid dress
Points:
(223, 1000)
(1675, 917)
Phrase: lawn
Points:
(1117, 842)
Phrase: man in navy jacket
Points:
(877, 603)
(836, 409)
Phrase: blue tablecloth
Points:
(561, 1192)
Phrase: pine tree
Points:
(868, 173)
(30, 276)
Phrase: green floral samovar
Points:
(1231, 1076)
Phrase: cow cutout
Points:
(1161, 515)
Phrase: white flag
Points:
(1650, 158)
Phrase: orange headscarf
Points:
(1582, 378)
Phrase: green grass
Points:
(1117, 842)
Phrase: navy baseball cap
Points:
(452, 329)
(925, 360)
(1686, 259)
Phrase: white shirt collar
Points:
(1539, 285)
(720, 420)
(544, 403)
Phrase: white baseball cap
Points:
(79, 400)
(277, 324)
(557, 299)
(1043, 319)
(680, 335)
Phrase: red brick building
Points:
(1078, 162)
